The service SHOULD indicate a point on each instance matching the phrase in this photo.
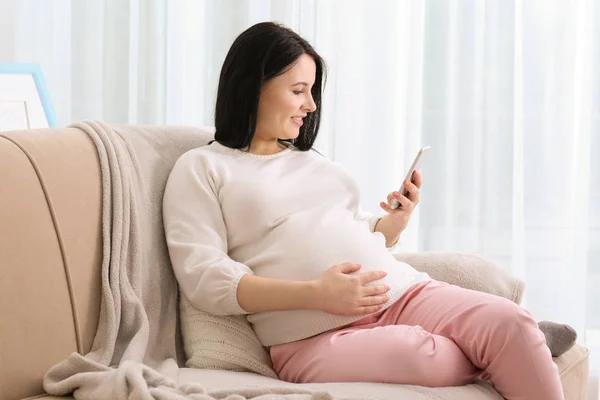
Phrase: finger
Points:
(412, 192)
(367, 310)
(375, 290)
(371, 276)
(386, 207)
(373, 300)
(417, 179)
(412, 189)
(390, 198)
(348, 267)
(402, 199)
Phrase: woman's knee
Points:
(504, 316)
(422, 358)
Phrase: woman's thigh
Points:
(393, 353)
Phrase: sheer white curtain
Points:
(505, 92)
(511, 107)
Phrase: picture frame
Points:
(25, 101)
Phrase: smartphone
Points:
(413, 168)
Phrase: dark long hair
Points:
(260, 53)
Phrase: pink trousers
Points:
(436, 334)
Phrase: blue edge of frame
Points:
(36, 71)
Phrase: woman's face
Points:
(285, 100)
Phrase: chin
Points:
(290, 135)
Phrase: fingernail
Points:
(406, 183)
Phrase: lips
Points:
(298, 121)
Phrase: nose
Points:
(309, 105)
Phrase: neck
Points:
(265, 146)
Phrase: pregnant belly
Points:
(307, 251)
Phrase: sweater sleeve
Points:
(197, 238)
(370, 218)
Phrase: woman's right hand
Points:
(343, 294)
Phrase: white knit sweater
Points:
(289, 215)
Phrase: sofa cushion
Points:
(221, 342)
(226, 380)
(573, 367)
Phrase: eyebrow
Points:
(300, 83)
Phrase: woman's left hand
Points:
(401, 215)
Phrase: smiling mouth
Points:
(298, 121)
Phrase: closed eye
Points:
(304, 85)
